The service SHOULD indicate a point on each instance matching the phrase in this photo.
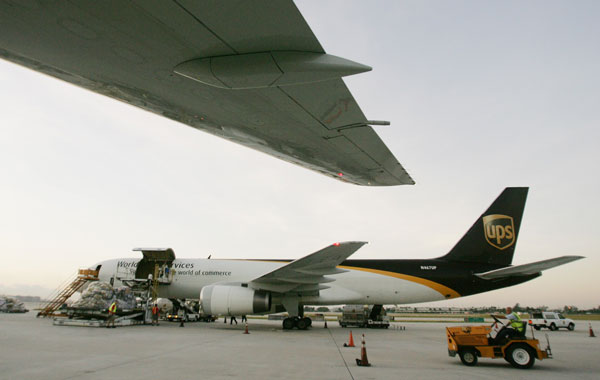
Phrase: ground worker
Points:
(112, 310)
(515, 327)
(155, 314)
(182, 316)
(232, 319)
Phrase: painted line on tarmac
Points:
(340, 351)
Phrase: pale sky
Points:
(481, 95)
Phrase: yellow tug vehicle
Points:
(471, 342)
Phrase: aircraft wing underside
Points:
(248, 71)
(307, 274)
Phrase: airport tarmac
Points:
(33, 348)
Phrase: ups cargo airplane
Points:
(251, 72)
(478, 263)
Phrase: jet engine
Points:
(234, 300)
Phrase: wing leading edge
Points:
(271, 86)
(308, 273)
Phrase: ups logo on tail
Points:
(499, 230)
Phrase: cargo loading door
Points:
(153, 258)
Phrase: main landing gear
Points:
(301, 323)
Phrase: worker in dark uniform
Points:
(182, 316)
(232, 319)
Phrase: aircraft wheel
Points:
(288, 323)
(571, 326)
(520, 356)
(553, 327)
(303, 323)
(468, 357)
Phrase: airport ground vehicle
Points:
(471, 342)
(364, 316)
(190, 310)
(190, 317)
(550, 320)
(171, 317)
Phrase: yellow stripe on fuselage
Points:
(443, 290)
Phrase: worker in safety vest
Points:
(112, 310)
(514, 328)
(515, 321)
(155, 315)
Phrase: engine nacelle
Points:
(234, 300)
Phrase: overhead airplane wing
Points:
(527, 269)
(307, 274)
(248, 71)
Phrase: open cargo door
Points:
(152, 258)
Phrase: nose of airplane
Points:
(98, 268)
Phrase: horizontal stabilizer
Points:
(527, 269)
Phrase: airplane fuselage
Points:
(479, 262)
(365, 282)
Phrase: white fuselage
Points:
(189, 276)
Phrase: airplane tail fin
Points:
(493, 237)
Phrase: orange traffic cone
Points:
(363, 361)
(246, 331)
(350, 342)
(592, 332)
